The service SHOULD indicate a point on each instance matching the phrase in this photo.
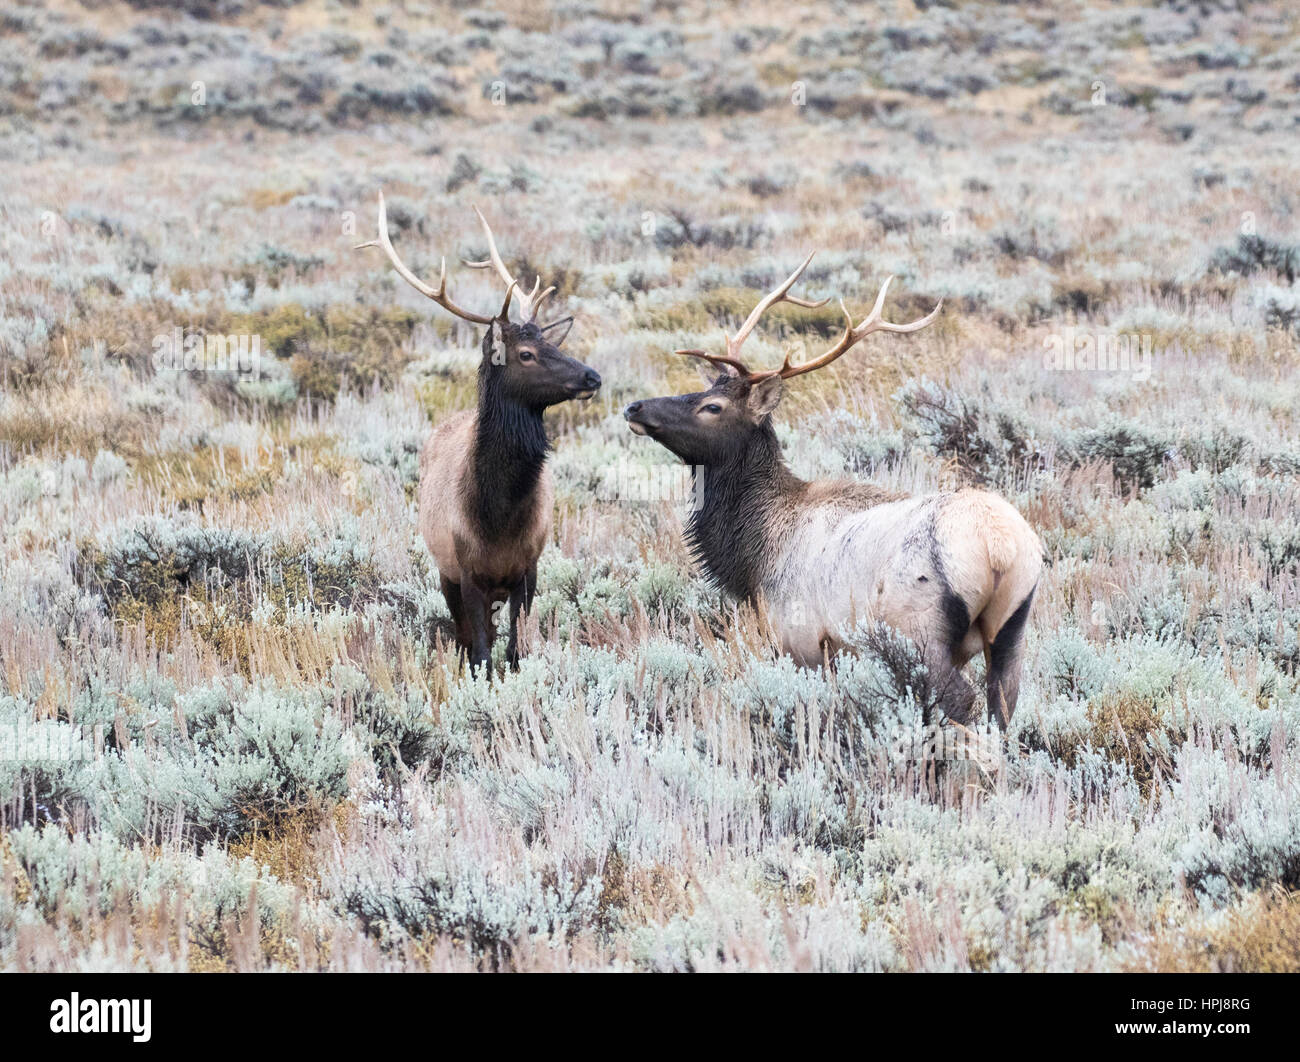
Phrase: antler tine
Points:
(527, 303)
(716, 359)
(854, 334)
(511, 288)
(877, 325)
(438, 294)
(778, 294)
(537, 302)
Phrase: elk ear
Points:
(494, 342)
(710, 374)
(566, 323)
(765, 396)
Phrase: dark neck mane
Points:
(510, 448)
(730, 531)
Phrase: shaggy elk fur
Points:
(954, 571)
(485, 495)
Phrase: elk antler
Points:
(733, 343)
(852, 334)
(716, 359)
(529, 304)
(438, 294)
(779, 294)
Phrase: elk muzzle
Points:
(639, 419)
(588, 387)
(667, 420)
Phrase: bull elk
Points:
(955, 571)
(485, 494)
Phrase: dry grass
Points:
(1260, 936)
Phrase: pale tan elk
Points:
(955, 571)
(485, 495)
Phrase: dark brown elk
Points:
(955, 571)
(485, 496)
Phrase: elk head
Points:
(522, 360)
(711, 427)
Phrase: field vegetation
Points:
(217, 616)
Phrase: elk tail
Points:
(1001, 537)
(974, 516)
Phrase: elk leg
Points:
(521, 598)
(456, 606)
(1005, 656)
(478, 612)
(950, 691)
(953, 693)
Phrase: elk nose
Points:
(632, 410)
(592, 379)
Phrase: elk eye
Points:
(527, 355)
(712, 407)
